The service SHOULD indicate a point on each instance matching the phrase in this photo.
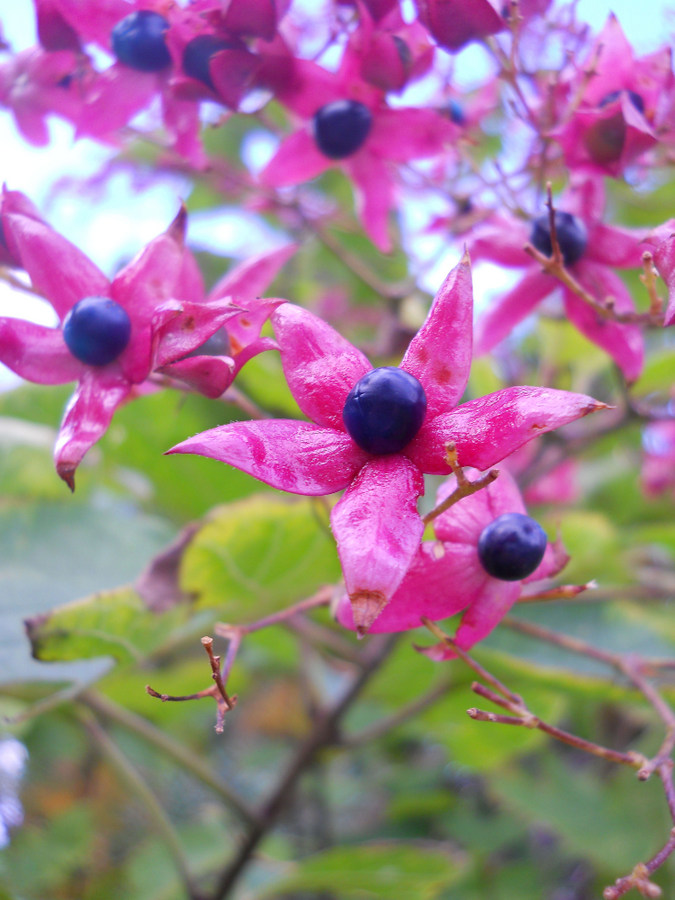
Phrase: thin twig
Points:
(464, 487)
(184, 756)
(140, 791)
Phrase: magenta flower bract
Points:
(396, 135)
(152, 288)
(618, 116)
(661, 241)
(34, 84)
(502, 241)
(113, 97)
(376, 523)
(446, 575)
(454, 23)
(242, 286)
(392, 52)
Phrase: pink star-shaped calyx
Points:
(376, 522)
(605, 248)
(446, 575)
(618, 116)
(388, 135)
(150, 290)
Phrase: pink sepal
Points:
(439, 355)
(619, 247)
(13, 202)
(181, 120)
(442, 581)
(374, 186)
(299, 84)
(255, 18)
(555, 559)
(662, 242)
(400, 135)
(321, 366)
(209, 375)
(94, 21)
(501, 240)
(378, 531)
(180, 328)
(297, 159)
(37, 353)
(87, 416)
(511, 308)
(244, 328)
(464, 522)
(146, 283)
(113, 98)
(38, 246)
(489, 428)
(233, 73)
(292, 456)
(482, 617)
(249, 279)
(454, 23)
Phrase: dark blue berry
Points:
(341, 128)
(96, 330)
(456, 112)
(138, 41)
(633, 96)
(511, 547)
(571, 234)
(385, 410)
(197, 56)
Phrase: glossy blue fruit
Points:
(341, 128)
(96, 330)
(511, 547)
(385, 410)
(456, 112)
(197, 56)
(138, 41)
(571, 234)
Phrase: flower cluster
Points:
(339, 99)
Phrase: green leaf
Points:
(615, 821)
(47, 855)
(407, 871)
(258, 555)
(114, 623)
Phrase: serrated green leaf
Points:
(258, 555)
(407, 871)
(110, 623)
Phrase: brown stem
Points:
(484, 674)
